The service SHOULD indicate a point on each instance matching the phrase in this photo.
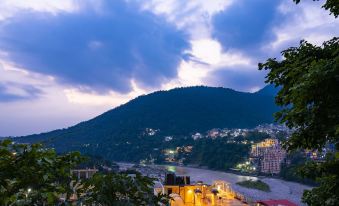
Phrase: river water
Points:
(280, 189)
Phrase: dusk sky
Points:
(66, 61)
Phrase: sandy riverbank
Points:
(280, 189)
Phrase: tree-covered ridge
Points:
(178, 112)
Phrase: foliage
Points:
(259, 185)
(331, 5)
(32, 175)
(309, 80)
(98, 162)
(217, 153)
(291, 172)
(120, 189)
(326, 175)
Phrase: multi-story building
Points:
(272, 159)
(260, 148)
(269, 155)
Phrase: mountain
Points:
(269, 90)
(177, 112)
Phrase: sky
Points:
(67, 61)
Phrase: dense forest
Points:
(119, 134)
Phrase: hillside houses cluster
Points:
(270, 129)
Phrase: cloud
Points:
(55, 106)
(240, 78)
(67, 61)
(245, 24)
(206, 57)
(11, 91)
(9, 8)
(305, 21)
(192, 15)
(100, 47)
(261, 29)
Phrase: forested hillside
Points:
(120, 132)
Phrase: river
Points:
(280, 189)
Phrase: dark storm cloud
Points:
(246, 24)
(98, 48)
(240, 78)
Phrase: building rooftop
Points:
(282, 202)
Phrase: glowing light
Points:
(171, 169)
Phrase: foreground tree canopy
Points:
(121, 190)
(33, 175)
(308, 77)
(309, 80)
(309, 94)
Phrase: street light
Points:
(28, 191)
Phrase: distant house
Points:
(282, 202)
(84, 173)
(197, 136)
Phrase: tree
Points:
(121, 189)
(309, 80)
(308, 77)
(309, 97)
(33, 175)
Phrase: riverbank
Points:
(261, 175)
(280, 189)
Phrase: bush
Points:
(258, 185)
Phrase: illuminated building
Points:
(269, 155)
(183, 193)
(260, 148)
(272, 159)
